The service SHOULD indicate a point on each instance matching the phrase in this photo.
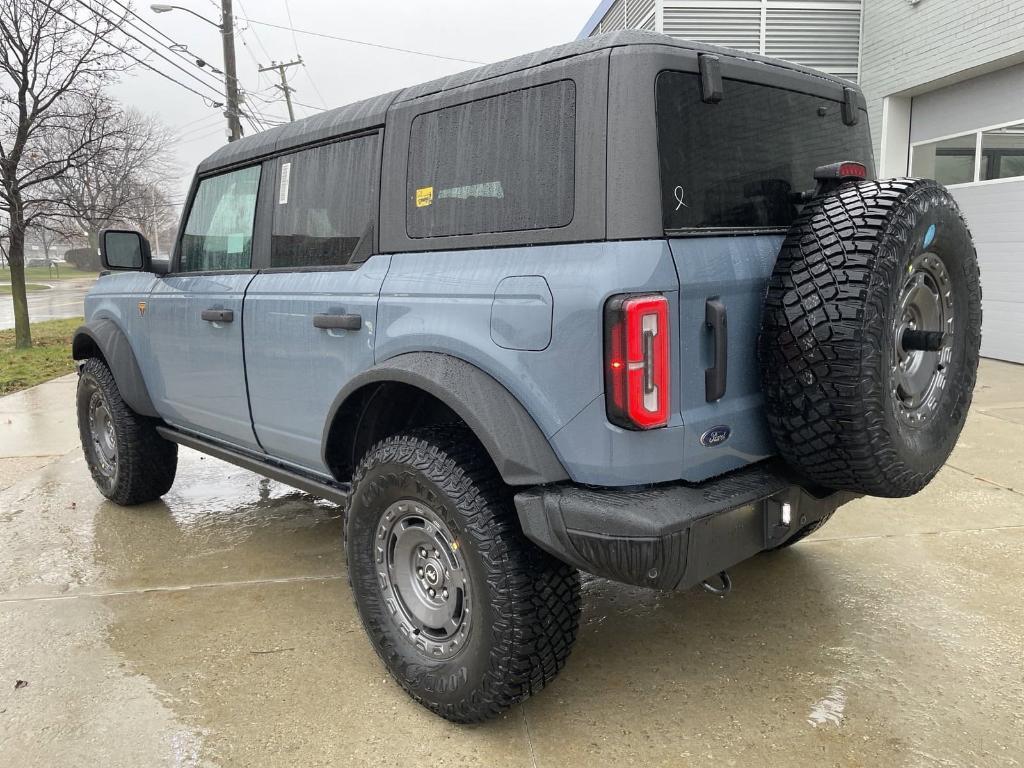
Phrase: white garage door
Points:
(970, 136)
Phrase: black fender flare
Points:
(516, 445)
(105, 336)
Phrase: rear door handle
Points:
(715, 377)
(338, 322)
(218, 315)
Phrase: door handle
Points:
(715, 377)
(338, 322)
(218, 315)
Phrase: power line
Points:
(202, 119)
(291, 26)
(143, 43)
(305, 70)
(173, 47)
(363, 42)
(135, 58)
(309, 78)
(255, 122)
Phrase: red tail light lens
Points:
(637, 361)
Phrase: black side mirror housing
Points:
(125, 250)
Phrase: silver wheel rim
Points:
(101, 430)
(925, 304)
(423, 579)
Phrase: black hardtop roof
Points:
(369, 113)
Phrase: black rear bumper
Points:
(671, 536)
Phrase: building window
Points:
(1002, 152)
(950, 161)
(218, 233)
(989, 154)
(324, 202)
(500, 164)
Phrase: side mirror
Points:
(124, 250)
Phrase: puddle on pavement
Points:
(833, 650)
(219, 523)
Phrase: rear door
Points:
(310, 316)
(195, 313)
(731, 174)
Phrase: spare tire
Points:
(870, 336)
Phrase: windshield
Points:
(735, 163)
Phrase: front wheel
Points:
(468, 616)
(128, 460)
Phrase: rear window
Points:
(736, 164)
(500, 164)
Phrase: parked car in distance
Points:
(631, 305)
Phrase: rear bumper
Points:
(671, 536)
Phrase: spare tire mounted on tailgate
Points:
(870, 336)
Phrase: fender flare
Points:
(516, 445)
(107, 337)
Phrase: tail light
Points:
(637, 361)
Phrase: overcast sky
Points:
(335, 72)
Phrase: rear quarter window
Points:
(735, 164)
(500, 164)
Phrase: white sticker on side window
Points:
(282, 192)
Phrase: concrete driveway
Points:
(65, 299)
(217, 628)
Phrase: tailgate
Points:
(733, 271)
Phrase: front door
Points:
(310, 317)
(196, 313)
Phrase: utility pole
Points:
(227, 31)
(155, 219)
(227, 34)
(284, 87)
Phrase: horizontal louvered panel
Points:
(615, 18)
(826, 39)
(733, 25)
(637, 12)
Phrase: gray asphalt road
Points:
(65, 299)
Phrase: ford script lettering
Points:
(715, 436)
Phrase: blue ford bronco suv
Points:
(633, 306)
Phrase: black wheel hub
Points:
(923, 339)
(101, 430)
(423, 578)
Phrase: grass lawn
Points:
(29, 287)
(49, 357)
(45, 275)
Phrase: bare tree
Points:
(155, 214)
(54, 56)
(114, 183)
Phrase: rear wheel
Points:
(870, 336)
(128, 460)
(468, 616)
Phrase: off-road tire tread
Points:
(147, 463)
(820, 339)
(537, 609)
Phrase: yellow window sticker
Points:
(424, 196)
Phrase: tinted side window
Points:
(736, 163)
(218, 233)
(324, 202)
(499, 164)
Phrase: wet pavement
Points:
(65, 299)
(216, 628)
